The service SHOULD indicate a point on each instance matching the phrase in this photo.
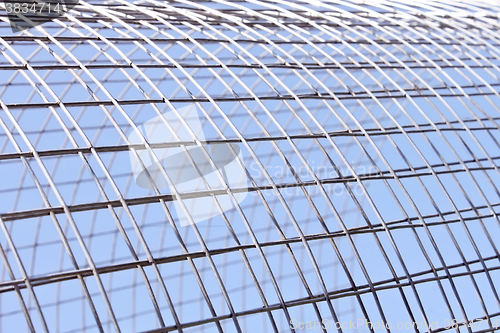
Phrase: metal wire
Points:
(369, 133)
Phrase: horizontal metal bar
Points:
(144, 63)
(8, 286)
(392, 130)
(316, 299)
(326, 96)
(20, 215)
(63, 39)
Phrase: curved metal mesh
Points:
(369, 141)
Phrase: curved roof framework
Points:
(369, 137)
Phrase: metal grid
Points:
(370, 138)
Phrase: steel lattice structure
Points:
(369, 138)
